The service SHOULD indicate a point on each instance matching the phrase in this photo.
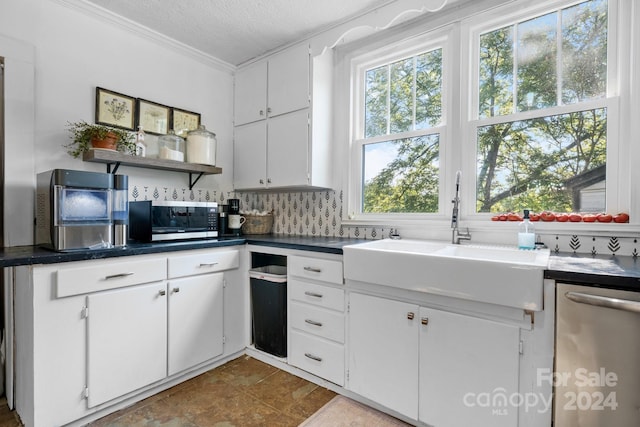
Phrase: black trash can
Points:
(269, 309)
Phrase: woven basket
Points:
(257, 224)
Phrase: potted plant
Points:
(85, 136)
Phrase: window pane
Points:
(536, 63)
(401, 96)
(429, 89)
(401, 175)
(496, 73)
(584, 51)
(555, 163)
(376, 92)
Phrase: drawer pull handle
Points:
(313, 294)
(424, 321)
(208, 264)
(117, 276)
(313, 322)
(176, 290)
(313, 269)
(410, 315)
(162, 293)
(313, 357)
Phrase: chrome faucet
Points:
(456, 236)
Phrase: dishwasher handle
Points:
(608, 302)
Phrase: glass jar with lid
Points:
(201, 146)
(171, 147)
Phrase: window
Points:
(542, 112)
(538, 87)
(397, 140)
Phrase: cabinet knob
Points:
(268, 180)
(268, 109)
(410, 315)
(262, 112)
(162, 293)
(424, 321)
(261, 181)
(176, 290)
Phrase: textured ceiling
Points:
(236, 31)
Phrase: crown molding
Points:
(114, 19)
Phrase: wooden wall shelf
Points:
(113, 160)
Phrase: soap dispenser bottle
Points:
(526, 233)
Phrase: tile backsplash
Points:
(319, 213)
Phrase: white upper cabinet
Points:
(288, 81)
(282, 122)
(251, 94)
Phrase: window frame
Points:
(389, 53)
(460, 107)
(472, 28)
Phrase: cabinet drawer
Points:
(317, 356)
(109, 274)
(317, 269)
(317, 321)
(202, 262)
(311, 293)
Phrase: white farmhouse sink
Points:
(493, 274)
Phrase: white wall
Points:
(73, 52)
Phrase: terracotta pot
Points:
(110, 142)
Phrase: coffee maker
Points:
(234, 219)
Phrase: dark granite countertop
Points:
(611, 271)
(317, 244)
(26, 255)
(607, 271)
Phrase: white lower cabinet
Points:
(432, 365)
(464, 361)
(195, 320)
(316, 323)
(383, 352)
(126, 340)
(91, 334)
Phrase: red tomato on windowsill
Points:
(589, 217)
(534, 217)
(574, 217)
(604, 218)
(563, 217)
(547, 216)
(621, 218)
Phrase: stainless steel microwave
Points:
(158, 220)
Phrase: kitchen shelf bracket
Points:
(115, 167)
(192, 183)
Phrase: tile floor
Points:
(243, 392)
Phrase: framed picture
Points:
(154, 118)
(183, 121)
(115, 109)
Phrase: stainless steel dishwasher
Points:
(597, 367)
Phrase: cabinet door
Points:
(127, 340)
(288, 150)
(288, 83)
(383, 352)
(462, 359)
(195, 320)
(249, 156)
(250, 94)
